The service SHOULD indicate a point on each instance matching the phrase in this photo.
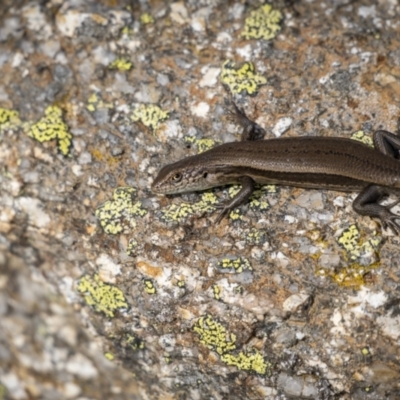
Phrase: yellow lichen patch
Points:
(133, 342)
(268, 188)
(361, 136)
(351, 241)
(181, 284)
(146, 18)
(112, 213)
(203, 144)
(51, 127)
(178, 213)
(255, 203)
(149, 287)
(241, 79)
(126, 30)
(365, 351)
(167, 359)
(207, 199)
(236, 215)
(121, 64)
(263, 23)
(105, 158)
(233, 190)
(150, 115)
(255, 236)
(102, 297)
(109, 356)
(234, 265)
(3, 392)
(94, 102)
(253, 361)
(9, 119)
(260, 205)
(216, 292)
(353, 276)
(131, 248)
(214, 335)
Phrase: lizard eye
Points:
(177, 177)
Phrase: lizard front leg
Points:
(367, 203)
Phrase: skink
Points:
(311, 162)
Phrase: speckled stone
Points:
(109, 291)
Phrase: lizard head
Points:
(184, 176)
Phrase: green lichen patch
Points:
(149, 287)
(242, 79)
(9, 119)
(150, 115)
(146, 19)
(263, 23)
(361, 136)
(102, 297)
(215, 336)
(179, 213)
(113, 213)
(121, 64)
(355, 246)
(234, 265)
(203, 144)
(52, 127)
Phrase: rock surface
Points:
(108, 291)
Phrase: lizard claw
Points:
(221, 214)
(390, 221)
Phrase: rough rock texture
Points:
(108, 291)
